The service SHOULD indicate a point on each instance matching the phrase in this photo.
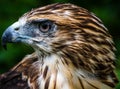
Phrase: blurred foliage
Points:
(10, 10)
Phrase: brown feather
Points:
(82, 55)
(17, 77)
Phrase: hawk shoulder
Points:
(17, 77)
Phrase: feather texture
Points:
(77, 54)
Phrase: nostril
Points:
(16, 29)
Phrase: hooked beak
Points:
(6, 38)
(15, 34)
(10, 35)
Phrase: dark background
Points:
(10, 10)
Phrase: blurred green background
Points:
(10, 10)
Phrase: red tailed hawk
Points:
(73, 50)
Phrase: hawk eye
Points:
(45, 26)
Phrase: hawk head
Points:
(72, 32)
(56, 27)
(48, 29)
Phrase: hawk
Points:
(73, 50)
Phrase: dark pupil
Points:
(45, 27)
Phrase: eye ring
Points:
(45, 27)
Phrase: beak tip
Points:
(6, 38)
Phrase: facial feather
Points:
(74, 49)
